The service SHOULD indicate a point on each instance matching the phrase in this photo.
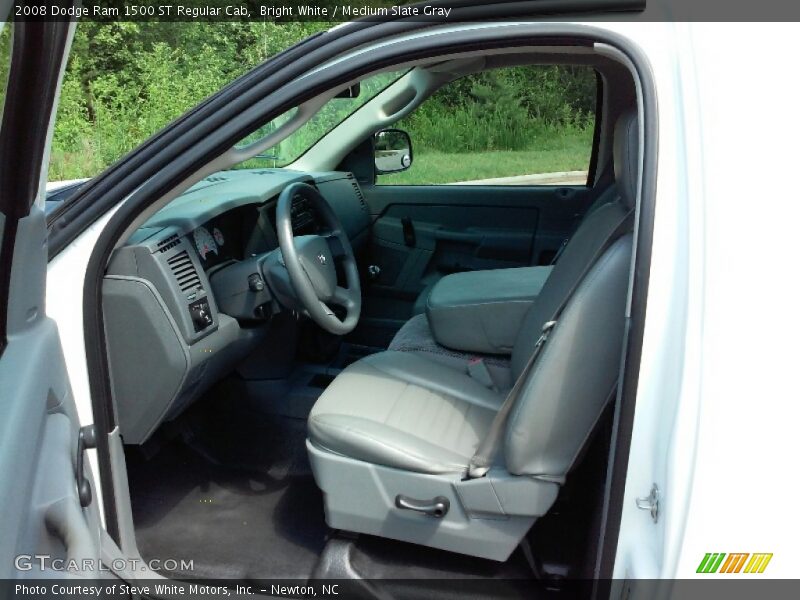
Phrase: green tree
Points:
(125, 81)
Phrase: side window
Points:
(6, 40)
(530, 125)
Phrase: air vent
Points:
(167, 243)
(216, 178)
(184, 271)
(357, 190)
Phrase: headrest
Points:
(626, 156)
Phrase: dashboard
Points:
(220, 240)
(184, 300)
(225, 238)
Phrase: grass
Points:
(440, 167)
(428, 168)
(567, 149)
(74, 165)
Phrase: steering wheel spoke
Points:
(343, 297)
(327, 309)
(334, 239)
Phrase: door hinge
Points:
(650, 503)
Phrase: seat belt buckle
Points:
(478, 370)
(476, 471)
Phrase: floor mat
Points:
(234, 493)
(237, 498)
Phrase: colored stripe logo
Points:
(737, 562)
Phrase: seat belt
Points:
(605, 182)
(481, 461)
(477, 369)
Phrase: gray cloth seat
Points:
(403, 423)
(416, 336)
(421, 303)
(402, 410)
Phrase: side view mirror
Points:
(393, 151)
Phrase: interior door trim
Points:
(36, 62)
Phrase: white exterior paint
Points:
(66, 275)
(717, 409)
(717, 402)
(748, 439)
(53, 186)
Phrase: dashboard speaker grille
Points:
(183, 269)
(168, 243)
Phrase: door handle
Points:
(409, 234)
(87, 438)
(437, 507)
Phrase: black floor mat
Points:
(234, 494)
(373, 558)
(238, 499)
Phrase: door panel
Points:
(421, 233)
(39, 431)
(439, 240)
(44, 511)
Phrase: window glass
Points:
(127, 80)
(530, 125)
(320, 124)
(6, 40)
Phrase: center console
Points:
(481, 311)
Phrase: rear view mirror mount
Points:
(354, 91)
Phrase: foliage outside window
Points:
(329, 116)
(6, 41)
(126, 81)
(528, 125)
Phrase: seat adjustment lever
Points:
(436, 507)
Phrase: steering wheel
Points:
(309, 260)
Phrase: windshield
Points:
(323, 122)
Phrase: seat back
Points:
(577, 370)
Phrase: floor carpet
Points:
(227, 497)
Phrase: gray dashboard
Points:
(180, 313)
(227, 190)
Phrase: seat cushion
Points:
(403, 410)
(494, 303)
(416, 336)
(421, 303)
